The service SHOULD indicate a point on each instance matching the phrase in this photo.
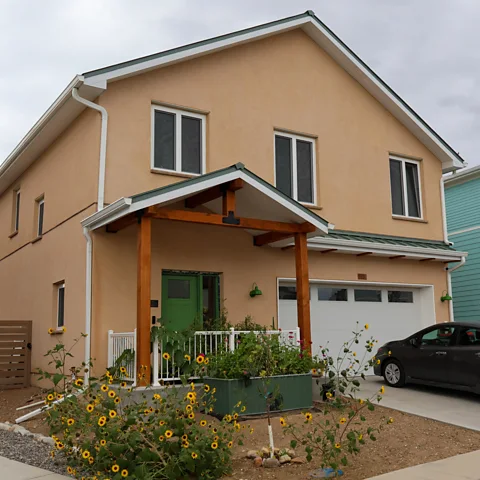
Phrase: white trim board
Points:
(465, 230)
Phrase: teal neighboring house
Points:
(462, 200)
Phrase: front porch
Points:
(233, 198)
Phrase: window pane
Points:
(283, 164)
(191, 145)
(332, 294)
(413, 192)
(287, 293)
(469, 337)
(164, 140)
(368, 295)
(304, 172)
(61, 307)
(17, 210)
(441, 337)
(399, 296)
(178, 288)
(40, 218)
(396, 185)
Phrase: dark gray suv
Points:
(443, 355)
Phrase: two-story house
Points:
(170, 186)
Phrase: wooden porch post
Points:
(144, 267)
(303, 289)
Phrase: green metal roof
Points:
(218, 173)
(388, 240)
(308, 13)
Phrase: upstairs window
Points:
(178, 141)
(60, 305)
(16, 211)
(295, 166)
(40, 208)
(405, 188)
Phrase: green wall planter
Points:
(292, 392)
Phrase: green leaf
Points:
(371, 407)
(57, 378)
(373, 438)
(356, 383)
(344, 461)
(293, 443)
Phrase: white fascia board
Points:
(462, 176)
(130, 70)
(115, 210)
(355, 282)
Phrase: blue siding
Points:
(466, 280)
(463, 206)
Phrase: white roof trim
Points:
(461, 177)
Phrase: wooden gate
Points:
(15, 353)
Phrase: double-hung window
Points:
(295, 166)
(178, 141)
(60, 305)
(405, 187)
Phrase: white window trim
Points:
(39, 203)
(60, 286)
(404, 182)
(178, 140)
(16, 218)
(295, 137)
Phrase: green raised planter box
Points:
(292, 392)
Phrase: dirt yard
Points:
(409, 441)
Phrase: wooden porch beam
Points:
(228, 203)
(303, 290)
(270, 237)
(144, 267)
(220, 220)
(122, 223)
(363, 254)
(213, 193)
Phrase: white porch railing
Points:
(208, 343)
(118, 344)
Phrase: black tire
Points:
(394, 373)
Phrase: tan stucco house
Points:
(171, 185)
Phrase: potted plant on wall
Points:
(262, 368)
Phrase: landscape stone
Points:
(271, 463)
(299, 460)
(258, 462)
(290, 452)
(284, 459)
(252, 454)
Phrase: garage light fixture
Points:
(445, 296)
(255, 291)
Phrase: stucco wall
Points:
(284, 82)
(181, 246)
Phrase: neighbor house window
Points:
(40, 208)
(60, 305)
(405, 187)
(16, 211)
(295, 166)
(178, 140)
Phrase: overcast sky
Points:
(426, 50)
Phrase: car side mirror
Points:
(414, 342)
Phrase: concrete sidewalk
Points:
(11, 470)
(460, 467)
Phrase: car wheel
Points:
(393, 373)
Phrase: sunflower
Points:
(123, 370)
(78, 382)
(382, 390)
(124, 473)
(50, 397)
(161, 423)
(103, 442)
(187, 357)
(390, 420)
(112, 413)
(169, 434)
(251, 431)
(90, 460)
(166, 356)
(235, 416)
(200, 359)
(111, 394)
(104, 388)
(214, 445)
(343, 420)
(203, 423)
(85, 454)
(194, 455)
(188, 408)
(115, 468)
(243, 408)
(70, 470)
(283, 423)
(185, 444)
(52, 454)
(308, 417)
(191, 396)
(60, 445)
(123, 384)
(102, 420)
(206, 388)
(337, 446)
(70, 422)
(184, 438)
(230, 444)
(191, 415)
(59, 396)
(50, 331)
(117, 400)
(207, 361)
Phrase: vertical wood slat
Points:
(303, 289)
(15, 365)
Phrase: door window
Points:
(178, 288)
(439, 337)
(469, 337)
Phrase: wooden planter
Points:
(290, 392)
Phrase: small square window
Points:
(178, 141)
(368, 295)
(332, 294)
(287, 293)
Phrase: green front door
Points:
(180, 301)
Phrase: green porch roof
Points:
(388, 240)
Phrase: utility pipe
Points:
(103, 145)
(88, 304)
(449, 285)
(444, 214)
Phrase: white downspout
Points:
(88, 304)
(449, 285)
(103, 145)
(444, 213)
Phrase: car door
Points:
(432, 355)
(465, 369)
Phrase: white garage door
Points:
(392, 312)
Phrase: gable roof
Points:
(91, 84)
(258, 197)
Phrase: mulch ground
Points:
(409, 441)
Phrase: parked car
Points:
(443, 355)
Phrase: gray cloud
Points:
(426, 50)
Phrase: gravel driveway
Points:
(27, 450)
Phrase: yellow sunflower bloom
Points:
(70, 422)
(206, 388)
(112, 413)
(214, 445)
(337, 446)
(283, 422)
(200, 359)
(166, 356)
(85, 454)
(194, 455)
(308, 417)
(169, 434)
(203, 423)
(124, 473)
(104, 388)
(50, 397)
(115, 468)
(187, 357)
(343, 420)
(123, 370)
(367, 326)
(103, 442)
(123, 384)
(50, 331)
(111, 394)
(230, 444)
(78, 382)
(191, 416)
(382, 390)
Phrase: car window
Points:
(469, 337)
(439, 337)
